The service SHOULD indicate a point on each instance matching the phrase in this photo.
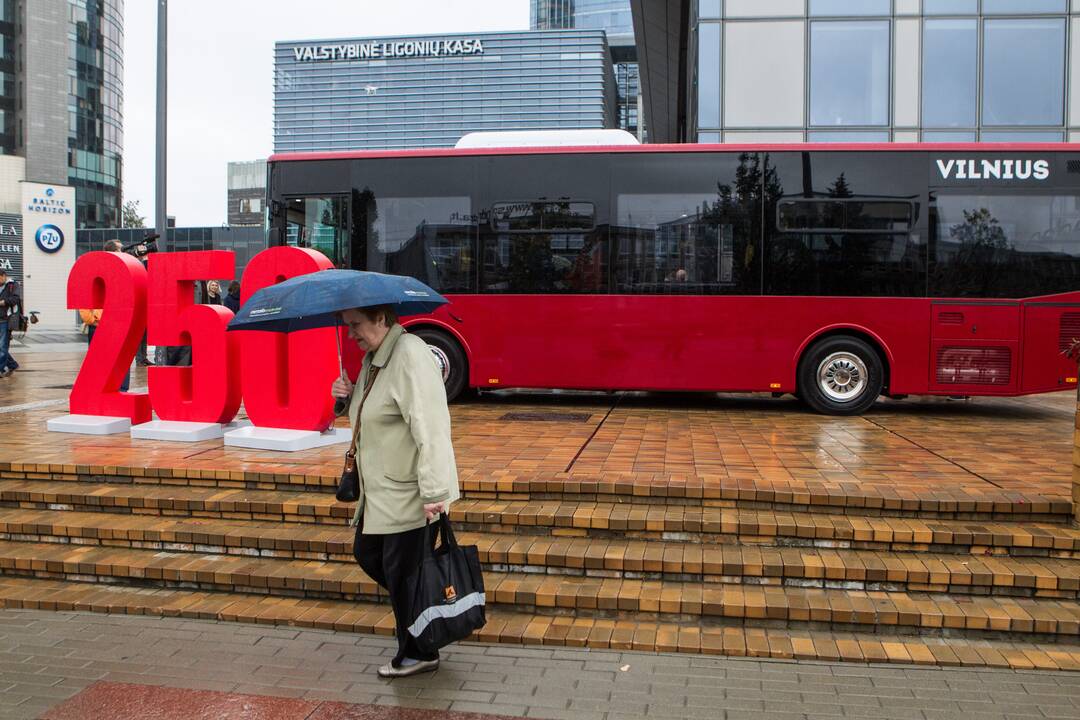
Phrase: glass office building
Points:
(862, 70)
(615, 19)
(63, 111)
(416, 92)
(246, 242)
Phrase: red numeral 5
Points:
(286, 377)
(209, 390)
(115, 283)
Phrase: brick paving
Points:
(46, 658)
(927, 533)
(926, 454)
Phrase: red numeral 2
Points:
(116, 283)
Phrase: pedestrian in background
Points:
(213, 293)
(10, 302)
(232, 300)
(405, 458)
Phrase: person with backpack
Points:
(10, 306)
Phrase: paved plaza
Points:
(50, 657)
(917, 562)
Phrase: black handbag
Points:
(348, 489)
(446, 591)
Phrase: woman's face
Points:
(367, 334)
(213, 287)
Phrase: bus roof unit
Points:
(547, 138)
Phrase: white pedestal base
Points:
(89, 424)
(263, 438)
(178, 431)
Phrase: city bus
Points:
(838, 273)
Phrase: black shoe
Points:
(143, 363)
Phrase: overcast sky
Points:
(221, 79)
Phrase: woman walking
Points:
(408, 475)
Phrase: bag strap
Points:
(445, 532)
(368, 384)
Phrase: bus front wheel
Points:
(450, 358)
(840, 375)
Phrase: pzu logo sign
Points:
(49, 238)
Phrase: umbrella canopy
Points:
(313, 300)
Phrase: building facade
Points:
(415, 92)
(861, 70)
(614, 18)
(246, 193)
(246, 242)
(61, 95)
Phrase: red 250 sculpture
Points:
(284, 379)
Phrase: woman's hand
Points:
(433, 509)
(341, 388)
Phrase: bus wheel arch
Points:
(842, 372)
(450, 354)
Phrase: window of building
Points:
(1024, 7)
(850, 7)
(1021, 136)
(950, 73)
(849, 73)
(951, 7)
(1004, 245)
(709, 75)
(946, 136)
(849, 136)
(709, 9)
(1024, 72)
(708, 137)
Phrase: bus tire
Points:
(840, 375)
(450, 358)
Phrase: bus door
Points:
(320, 223)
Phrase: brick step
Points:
(589, 557)
(614, 598)
(648, 488)
(556, 631)
(671, 522)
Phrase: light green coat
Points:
(405, 455)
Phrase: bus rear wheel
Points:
(840, 375)
(450, 358)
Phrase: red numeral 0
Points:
(209, 390)
(286, 377)
(116, 283)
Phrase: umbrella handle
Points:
(337, 337)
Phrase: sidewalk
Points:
(47, 658)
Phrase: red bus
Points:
(835, 272)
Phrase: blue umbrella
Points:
(314, 300)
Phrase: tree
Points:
(130, 217)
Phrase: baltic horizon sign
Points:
(374, 50)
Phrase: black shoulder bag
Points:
(348, 489)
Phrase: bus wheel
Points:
(450, 358)
(840, 375)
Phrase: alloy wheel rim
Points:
(842, 377)
(442, 360)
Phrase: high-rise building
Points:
(615, 19)
(866, 71)
(61, 90)
(417, 92)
